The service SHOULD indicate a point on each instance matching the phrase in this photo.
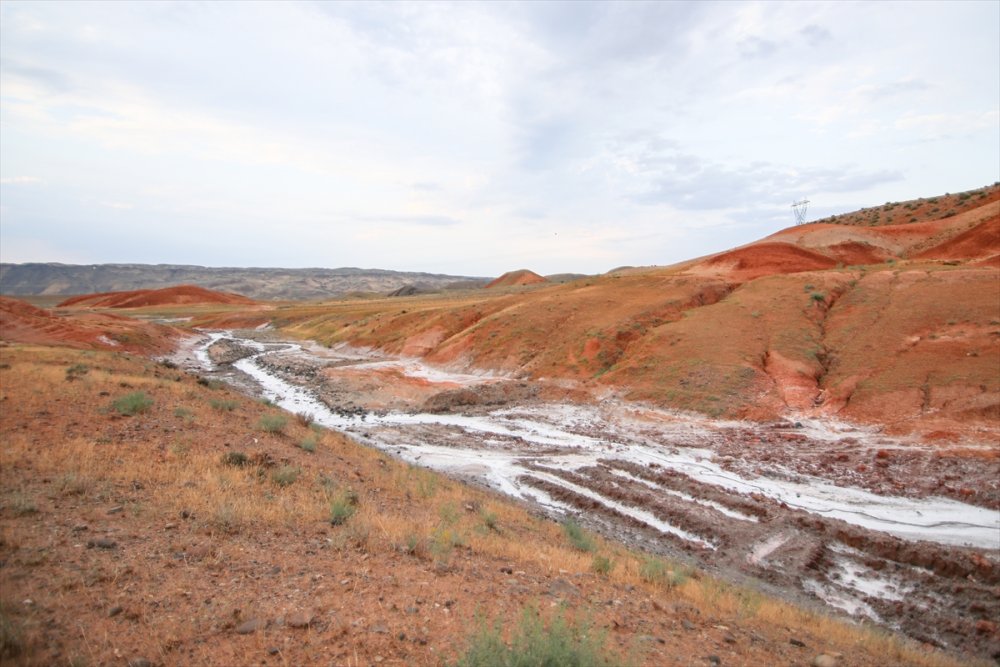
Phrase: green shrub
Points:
(273, 423)
(76, 371)
(285, 475)
(342, 507)
(562, 643)
(577, 536)
(308, 443)
(133, 403)
(653, 570)
(602, 565)
(222, 405)
(817, 297)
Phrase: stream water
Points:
(505, 446)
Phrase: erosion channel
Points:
(816, 510)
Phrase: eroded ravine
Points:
(665, 481)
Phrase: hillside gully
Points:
(877, 528)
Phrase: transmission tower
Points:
(799, 209)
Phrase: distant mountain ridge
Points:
(264, 284)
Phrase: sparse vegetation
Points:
(273, 423)
(285, 475)
(134, 403)
(210, 383)
(308, 443)
(577, 536)
(184, 413)
(76, 371)
(222, 404)
(235, 459)
(602, 564)
(561, 643)
(342, 507)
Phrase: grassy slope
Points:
(201, 547)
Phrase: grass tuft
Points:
(309, 443)
(76, 371)
(222, 405)
(235, 459)
(562, 643)
(273, 423)
(132, 404)
(602, 565)
(285, 475)
(577, 536)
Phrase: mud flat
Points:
(818, 510)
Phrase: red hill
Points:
(168, 296)
(517, 278)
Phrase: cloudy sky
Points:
(475, 138)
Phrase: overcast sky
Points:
(476, 138)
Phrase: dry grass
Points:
(397, 509)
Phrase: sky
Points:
(476, 138)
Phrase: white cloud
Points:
(20, 180)
(409, 135)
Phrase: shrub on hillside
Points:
(132, 404)
(577, 536)
(562, 643)
(273, 423)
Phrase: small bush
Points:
(273, 423)
(653, 570)
(132, 404)
(489, 519)
(308, 444)
(577, 536)
(285, 475)
(304, 419)
(235, 459)
(561, 643)
(76, 371)
(817, 297)
(414, 544)
(222, 405)
(342, 507)
(602, 565)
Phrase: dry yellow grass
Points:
(62, 447)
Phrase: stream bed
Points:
(761, 502)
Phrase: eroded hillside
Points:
(897, 325)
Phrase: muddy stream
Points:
(878, 528)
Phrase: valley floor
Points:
(152, 517)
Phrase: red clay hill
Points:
(168, 296)
(21, 322)
(889, 315)
(516, 279)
